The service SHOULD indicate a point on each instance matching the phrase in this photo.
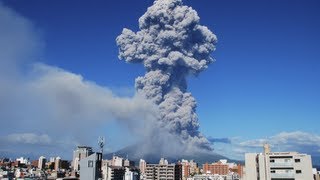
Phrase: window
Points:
(298, 171)
(90, 163)
(281, 157)
(271, 160)
(297, 160)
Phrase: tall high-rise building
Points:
(185, 168)
(142, 166)
(178, 172)
(42, 162)
(80, 153)
(278, 165)
(57, 164)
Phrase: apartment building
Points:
(278, 165)
(161, 171)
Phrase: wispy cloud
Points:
(289, 141)
(299, 141)
(219, 140)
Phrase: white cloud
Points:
(287, 140)
(28, 138)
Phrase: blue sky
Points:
(265, 80)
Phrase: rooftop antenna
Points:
(101, 143)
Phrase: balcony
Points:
(281, 164)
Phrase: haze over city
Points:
(68, 75)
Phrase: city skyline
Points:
(87, 164)
(263, 87)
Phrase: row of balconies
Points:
(281, 164)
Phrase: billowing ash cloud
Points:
(43, 108)
(172, 45)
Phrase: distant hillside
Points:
(133, 154)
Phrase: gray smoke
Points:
(172, 45)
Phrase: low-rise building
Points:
(219, 167)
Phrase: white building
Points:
(42, 162)
(57, 163)
(80, 153)
(117, 161)
(142, 167)
(316, 174)
(131, 175)
(193, 167)
(52, 159)
(22, 160)
(278, 165)
(106, 172)
(163, 170)
(118, 168)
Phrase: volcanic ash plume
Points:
(172, 45)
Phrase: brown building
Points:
(237, 169)
(35, 163)
(216, 168)
(186, 170)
